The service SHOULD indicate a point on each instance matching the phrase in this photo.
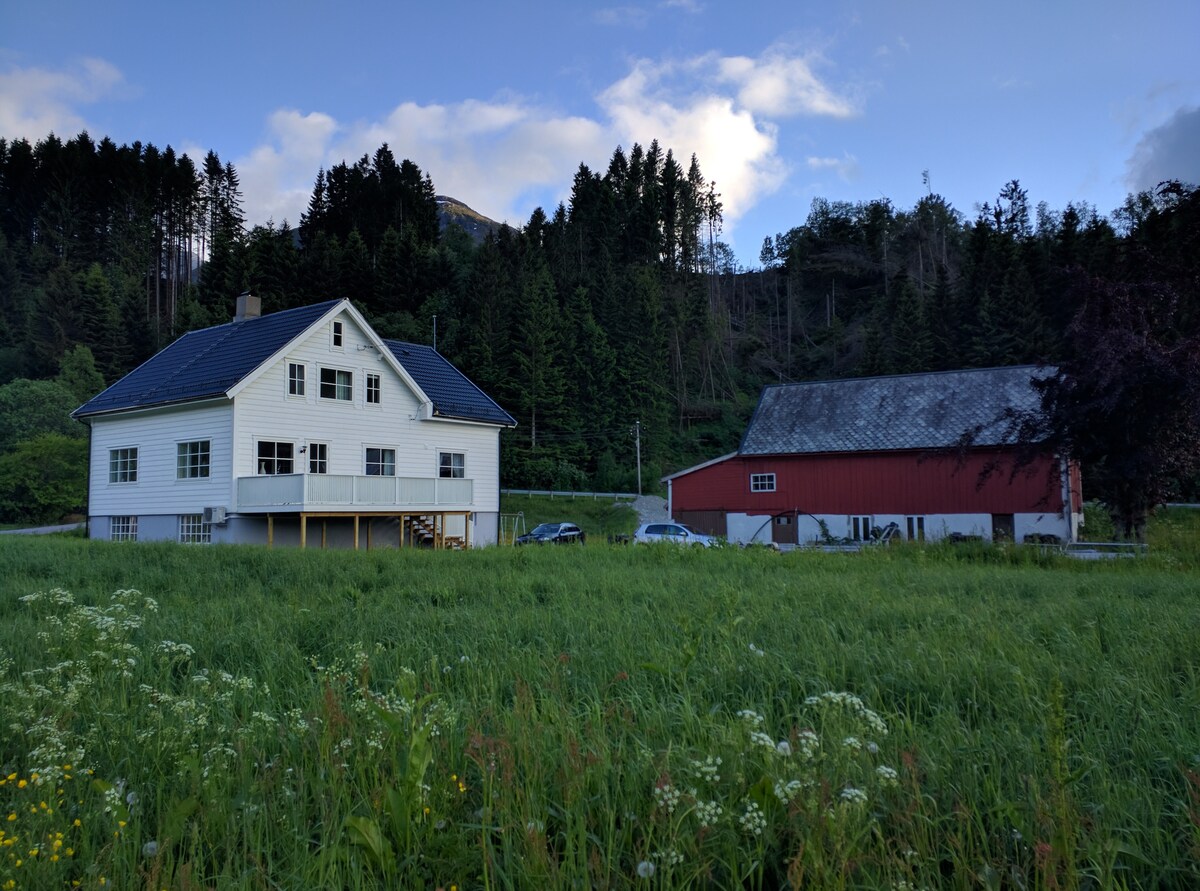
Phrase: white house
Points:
(298, 427)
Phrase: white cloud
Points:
(1169, 151)
(779, 85)
(845, 167)
(35, 102)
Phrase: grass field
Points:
(609, 717)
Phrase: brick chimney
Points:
(248, 307)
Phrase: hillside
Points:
(452, 211)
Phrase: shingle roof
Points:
(910, 411)
(452, 393)
(206, 363)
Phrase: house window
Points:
(916, 528)
(762, 482)
(275, 457)
(193, 529)
(122, 465)
(122, 529)
(374, 389)
(318, 457)
(295, 379)
(192, 460)
(337, 335)
(452, 465)
(337, 384)
(860, 528)
(381, 462)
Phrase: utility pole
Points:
(637, 434)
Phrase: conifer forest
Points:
(620, 307)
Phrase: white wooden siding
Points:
(264, 411)
(156, 434)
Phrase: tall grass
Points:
(618, 717)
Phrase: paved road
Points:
(42, 530)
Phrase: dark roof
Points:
(206, 363)
(909, 411)
(452, 393)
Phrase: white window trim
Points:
(207, 467)
(128, 533)
(287, 379)
(383, 448)
(197, 531)
(308, 455)
(137, 457)
(320, 384)
(762, 482)
(337, 329)
(437, 470)
(367, 375)
(255, 456)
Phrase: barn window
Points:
(762, 482)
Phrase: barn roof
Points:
(907, 411)
(208, 363)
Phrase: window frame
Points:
(762, 482)
(123, 528)
(193, 530)
(443, 466)
(374, 387)
(915, 527)
(318, 453)
(381, 462)
(184, 463)
(123, 466)
(337, 384)
(259, 457)
(297, 385)
(860, 527)
(337, 335)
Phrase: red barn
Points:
(859, 454)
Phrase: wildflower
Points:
(750, 717)
(785, 792)
(667, 796)
(757, 652)
(851, 795)
(150, 849)
(887, 775)
(753, 821)
(645, 869)
(852, 742)
(761, 739)
(708, 812)
(784, 748)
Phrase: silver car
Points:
(679, 533)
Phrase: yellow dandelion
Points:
(70, 852)
(12, 817)
(121, 823)
(77, 822)
(21, 784)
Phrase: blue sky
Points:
(500, 102)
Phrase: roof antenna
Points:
(435, 332)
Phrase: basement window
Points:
(860, 528)
(916, 528)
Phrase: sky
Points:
(500, 102)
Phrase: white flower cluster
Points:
(852, 704)
(853, 796)
(709, 812)
(753, 820)
(668, 857)
(785, 792)
(887, 775)
(667, 797)
(758, 738)
(709, 769)
(753, 718)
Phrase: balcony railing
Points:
(312, 492)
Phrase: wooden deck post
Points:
(303, 531)
(270, 531)
(356, 533)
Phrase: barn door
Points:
(783, 529)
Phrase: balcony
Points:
(308, 493)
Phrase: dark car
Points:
(553, 533)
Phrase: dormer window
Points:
(338, 335)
